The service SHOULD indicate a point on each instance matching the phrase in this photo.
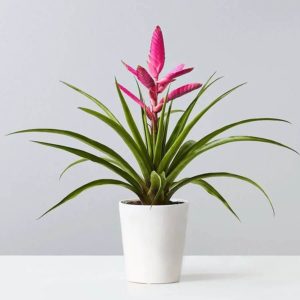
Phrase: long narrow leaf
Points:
(147, 134)
(131, 123)
(197, 145)
(211, 190)
(180, 139)
(160, 137)
(176, 186)
(101, 147)
(95, 159)
(243, 178)
(175, 111)
(167, 121)
(182, 152)
(217, 143)
(89, 185)
(184, 118)
(208, 187)
(140, 156)
(96, 101)
(76, 162)
(79, 161)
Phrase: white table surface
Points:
(103, 277)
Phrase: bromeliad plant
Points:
(162, 153)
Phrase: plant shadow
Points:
(214, 276)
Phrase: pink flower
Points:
(178, 71)
(156, 58)
(177, 93)
(144, 77)
(150, 79)
(130, 69)
(137, 100)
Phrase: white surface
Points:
(160, 231)
(103, 277)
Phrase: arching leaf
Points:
(140, 156)
(197, 145)
(185, 116)
(101, 147)
(181, 137)
(171, 177)
(95, 159)
(93, 99)
(74, 163)
(176, 186)
(89, 185)
(131, 123)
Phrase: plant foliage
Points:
(160, 151)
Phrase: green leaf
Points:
(176, 186)
(183, 150)
(89, 185)
(131, 123)
(243, 178)
(217, 143)
(140, 156)
(212, 191)
(101, 147)
(173, 111)
(84, 160)
(147, 134)
(184, 118)
(179, 140)
(96, 101)
(208, 187)
(167, 121)
(76, 162)
(197, 145)
(98, 160)
(245, 138)
(160, 137)
(155, 189)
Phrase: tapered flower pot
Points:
(153, 241)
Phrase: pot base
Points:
(147, 282)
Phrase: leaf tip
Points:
(63, 82)
(41, 216)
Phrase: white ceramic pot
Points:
(153, 241)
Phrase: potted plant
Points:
(153, 223)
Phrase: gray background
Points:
(82, 42)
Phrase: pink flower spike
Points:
(144, 77)
(183, 90)
(163, 84)
(153, 97)
(178, 68)
(178, 93)
(130, 69)
(157, 53)
(137, 100)
(174, 74)
(178, 71)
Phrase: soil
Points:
(137, 202)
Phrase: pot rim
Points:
(181, 202)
